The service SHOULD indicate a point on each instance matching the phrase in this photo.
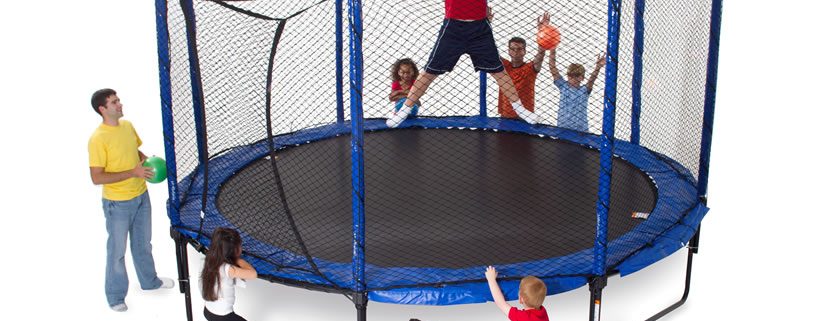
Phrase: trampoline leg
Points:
(182, 270)
(693, 249)
(360, 300)
(596, 290)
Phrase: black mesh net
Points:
(452, 190)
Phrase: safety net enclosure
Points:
(274, 119)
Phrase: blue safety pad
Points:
(671, 224)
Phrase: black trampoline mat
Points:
(442, 198)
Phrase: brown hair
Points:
(532, 292)
(394, 71)
(100, 97)
(517, 40)
(224, 249)
(575, 70)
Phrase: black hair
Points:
(518, 40)
(224, 249)
(100, 97)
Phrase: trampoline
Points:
(262, 137)
(528, 230)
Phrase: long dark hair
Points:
(225, 246)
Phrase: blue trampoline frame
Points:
(674, 221)
(670, 225)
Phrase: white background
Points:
(758, 255)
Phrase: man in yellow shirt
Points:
(115, 162)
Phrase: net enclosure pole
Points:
(607, 148)
(164, 64)
(637, 71)
(705, 144)
(357, 157)
(709, 101)
(198, 101)
(166, 102)
(482, 95)
(201, 135)
(340, 106)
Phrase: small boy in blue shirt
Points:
(572, 106)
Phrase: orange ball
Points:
(548, 37)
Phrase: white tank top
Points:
(226, 296)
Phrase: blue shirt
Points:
(572, 106)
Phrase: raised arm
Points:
(599, 62)
(539, 57)
(553, 70)
(244, 271)
(498, 296)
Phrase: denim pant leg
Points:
(117, 223)
(141, 244)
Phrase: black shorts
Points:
(228, 317)
(456, 38)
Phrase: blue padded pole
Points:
(598, 282)
(340, 111)
(607, 136)
(637, 73)
(196, 80)
(197, 96)
(709, 101)
(166, 103)
(356, 144)
(482, 95)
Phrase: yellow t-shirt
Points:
(115, 148)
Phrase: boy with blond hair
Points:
(531, 294)
(572, 106)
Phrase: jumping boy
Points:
(466, 29)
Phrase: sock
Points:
(523, 113)
(406, 101)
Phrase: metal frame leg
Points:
(360, 300)
(182, 270)
(596, 290)
(693, 249)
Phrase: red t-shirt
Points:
(465, 9)
(539, 314)
(397, 86)
(524, 79)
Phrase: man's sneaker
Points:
(397, 117)
(167, 283)
(119, 307)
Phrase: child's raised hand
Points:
(491, 274)
(600, 60)
(544, 20)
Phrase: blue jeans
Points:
(121, 219)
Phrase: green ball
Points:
(157, 164)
